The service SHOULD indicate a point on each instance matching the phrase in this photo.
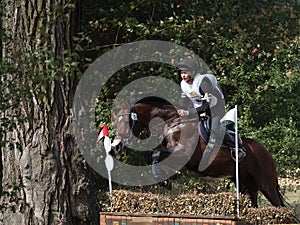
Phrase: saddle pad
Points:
(204, 134)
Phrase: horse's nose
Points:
(117, 145)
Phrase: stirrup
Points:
(241, 154)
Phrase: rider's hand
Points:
(182, 112)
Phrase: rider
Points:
(206, 96)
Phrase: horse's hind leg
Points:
(247, 186)
(268, 184)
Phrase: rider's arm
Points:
(204, 108)
(201, 109)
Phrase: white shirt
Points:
(192, 90)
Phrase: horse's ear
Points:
(117, 104)
(121, 104)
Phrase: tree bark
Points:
(48, 174)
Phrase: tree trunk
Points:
(48, 174)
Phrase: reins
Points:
(182, 120)
(177, 123)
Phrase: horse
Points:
(257, 171)
(139, 119)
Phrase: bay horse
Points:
(257, 171)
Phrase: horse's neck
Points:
(184, 132)
(164, 113)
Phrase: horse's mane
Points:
(153, 100)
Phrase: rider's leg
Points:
(229, 140)
(214, 142)
(216, 132)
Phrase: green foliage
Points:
(221, 204)
(251, 46)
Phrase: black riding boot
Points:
(229, 140)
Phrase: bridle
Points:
(134, 119)
(123, 138)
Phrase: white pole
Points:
(237, 163)
(109, 163)
(109, 181)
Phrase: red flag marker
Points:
(109, 162)
(105, 130)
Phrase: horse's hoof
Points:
(166, 184)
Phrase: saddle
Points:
(229, 138)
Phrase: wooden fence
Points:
(110, 218)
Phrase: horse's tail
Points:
(284, 202)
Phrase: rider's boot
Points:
(241, 152)
(229, 140)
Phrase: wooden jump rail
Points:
(111, 218)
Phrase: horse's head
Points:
(140, 122)
(123, 120)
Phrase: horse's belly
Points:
(219, 170)
(214, 174)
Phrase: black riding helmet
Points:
(187, 64)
